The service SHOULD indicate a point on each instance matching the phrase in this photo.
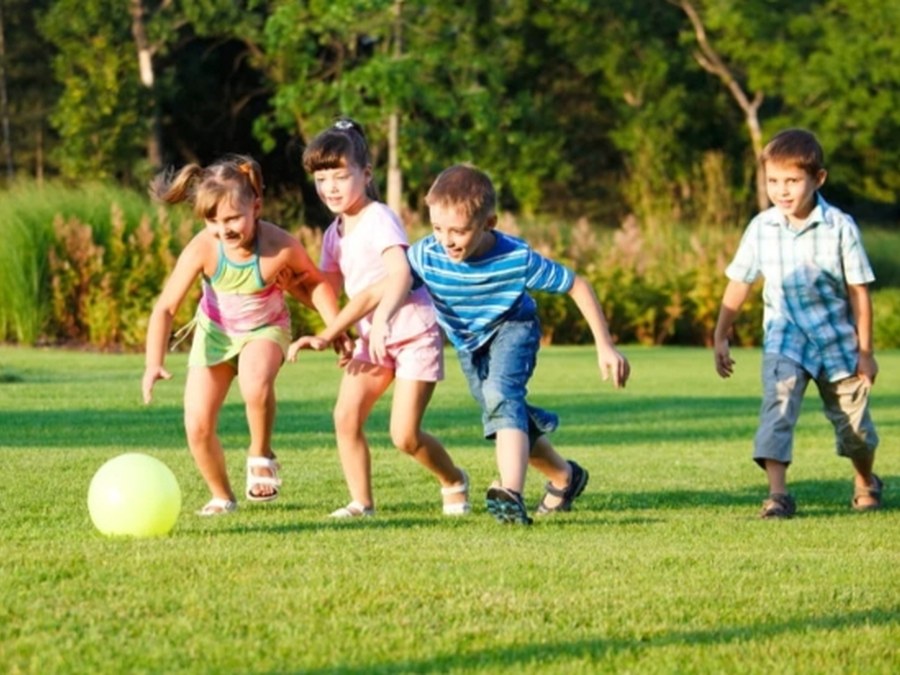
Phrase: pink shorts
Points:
(420, 358)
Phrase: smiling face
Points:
(460, 236)
(792, 189)
(343, 189)
(234, 223)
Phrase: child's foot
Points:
(778, 506)
(262, 479)
(561, 498)
(868, 498)
(456, 497)
(507, 505)
(218, 507)
(353, 510)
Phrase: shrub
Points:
(886, 322)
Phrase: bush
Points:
(886, 323)
(76, 273)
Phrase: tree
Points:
(99, 114)
(710, 60)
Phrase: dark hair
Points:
(795, 146)
(466, 188)
(234, 177)
(341, 144)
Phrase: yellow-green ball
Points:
(134, 495)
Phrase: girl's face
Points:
(792, 189)
(460, 237)
(235, 224)
(343, 190)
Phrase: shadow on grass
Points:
(814, 498)
(605, 421)
(549, 653)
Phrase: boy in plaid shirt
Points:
(817, 319)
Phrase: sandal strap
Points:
(263, 463)
(353, 510)
(555, 491)
(458, 488)
(218, 506)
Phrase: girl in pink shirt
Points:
(365, 244)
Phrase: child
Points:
(242, 323)
(364, 244)
(818, 319)
(479, 278)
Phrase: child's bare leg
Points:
(204, 393)
(776, 472)
(545, 459)
(512, 458)
(258, 366)
(863, 479)
(362, 385)
(411, 398)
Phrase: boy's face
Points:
(461, 237)
(792, 189)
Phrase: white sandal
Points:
(353, 510)
(217, 507)
(457, 508)
(254, 481)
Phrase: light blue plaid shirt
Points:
(807, 315)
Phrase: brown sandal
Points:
(872, 491)
(778, 506)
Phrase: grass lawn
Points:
(662, 567)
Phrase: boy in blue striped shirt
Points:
(817, 319)
(479, 280)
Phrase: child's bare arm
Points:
(187, 269)
(736, 294)
(612, 362)
(861, 305)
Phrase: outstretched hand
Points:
(151, 375)
(306, 342)
(614, 365)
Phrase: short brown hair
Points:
(795, 146)
(466, 188)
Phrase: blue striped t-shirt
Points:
(473, 297)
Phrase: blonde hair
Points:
(235, 178)
(465, 188)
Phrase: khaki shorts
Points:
(845, 404)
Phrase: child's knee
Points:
(405, 440)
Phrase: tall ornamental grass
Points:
(84, 266)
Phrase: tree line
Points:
(655, 108)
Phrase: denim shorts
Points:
(845, 404)
(498, 374)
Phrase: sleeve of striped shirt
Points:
(547, 275)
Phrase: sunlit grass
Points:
(662, 567)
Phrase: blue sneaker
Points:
(507, 506)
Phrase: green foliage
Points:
(85, 266)
(100, 115)
(662, 566)
(886, 323)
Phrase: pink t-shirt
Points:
(358, 258)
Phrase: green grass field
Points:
(663, 566)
